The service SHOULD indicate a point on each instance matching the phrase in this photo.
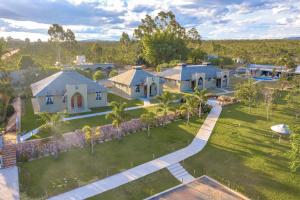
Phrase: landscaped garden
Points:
(244, 154)
(31, 121)
(49, 176)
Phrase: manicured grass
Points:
(79, 167)
(141, 188)
(112, 97)
(29, 120)
(72, 125)
(243, 154)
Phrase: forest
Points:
(157, 42)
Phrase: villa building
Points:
(255, 70)
(67, 91)
(137, 83)
(186, 78)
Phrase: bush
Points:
(98, 75)
(113, 73)
(206, 108)
(22, 158)
(10, 110)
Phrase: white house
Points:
(68, 91)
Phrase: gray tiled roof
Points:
(56, 84)
(134, 76)
(182, 73)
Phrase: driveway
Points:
(9, 184)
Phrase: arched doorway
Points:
(200, 83)
(76, 101)
(153, 90)
(225, 81)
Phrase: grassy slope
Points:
(247, 157)
(79, 167)
(141, 188)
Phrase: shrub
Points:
(22, 158)
(98, 75)
(206, 108)
(113, 73)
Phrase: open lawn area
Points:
(31, 121)
(141, 188)
(243, 154)
(113, 97)
(78, 167)
(72, 125)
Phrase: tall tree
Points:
(51, 123)
(268, 95)
(188, 106)
(149, 119)
(90, 135)
(201, 97)
(61, 37)
(164, 105)
(96, 52)
(162, 39)
(294, 152)
(125, 41)
(194, 37)
(117, 115)
(247, 92)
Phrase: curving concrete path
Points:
(147, 168)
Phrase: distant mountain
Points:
(292, 38)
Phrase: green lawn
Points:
(112, 97)
(141, 188)
(79, 167)
(243, 154)
(30, 121)
(72, 125)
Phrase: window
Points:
(98, 95)
(137, 88)
(49, 100)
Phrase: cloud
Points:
(105, 19)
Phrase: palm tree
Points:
(164, 104)
(90, 135)
(149, 119)
(51, 122)
(117, 115)
(188, 107)
(201, 97)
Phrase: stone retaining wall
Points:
(38, 148)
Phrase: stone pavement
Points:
(9, 184)
(147, 168)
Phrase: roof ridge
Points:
(50, 78)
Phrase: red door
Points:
(79, 101)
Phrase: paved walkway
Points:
(9, 183)
(142, 170)
(180, 173)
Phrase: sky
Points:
(107, 19)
